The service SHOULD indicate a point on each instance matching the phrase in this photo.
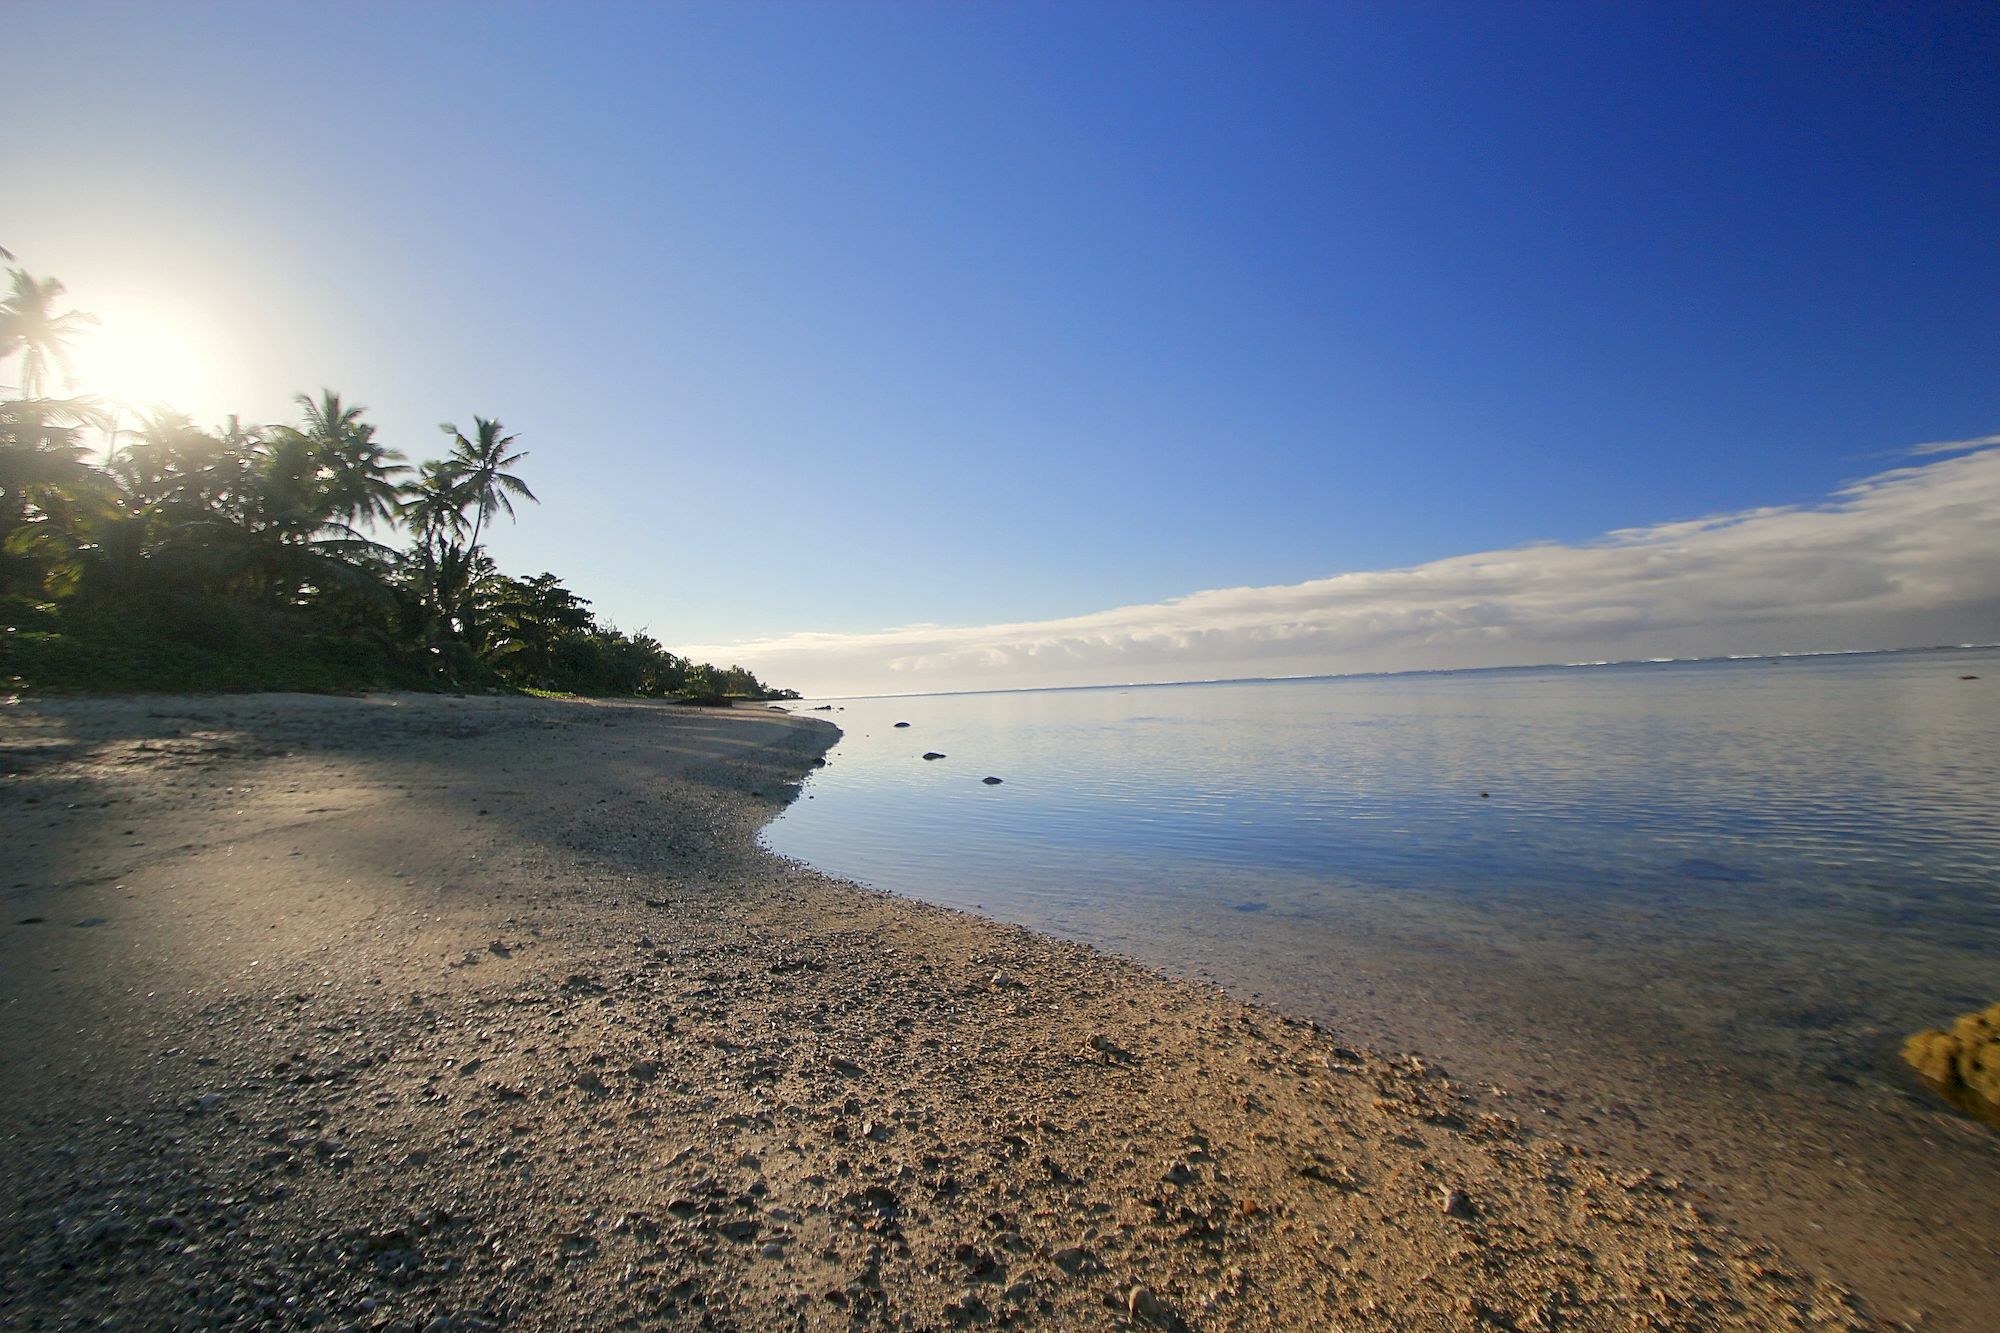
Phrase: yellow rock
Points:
(1979, 1070)
(1933, 1054)
(1964, 1062)
(1974, 1028)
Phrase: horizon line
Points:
(1414, 671)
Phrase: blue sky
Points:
(841, 317)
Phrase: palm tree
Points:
(276, 523)
(29, 325)
(434, 508)
(240, 447)
(479, 465)
(168, 460)
(357, 473)
(431, 504)
(91, 539)
(41, 448)
(43, 473)
(277, 538)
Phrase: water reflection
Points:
(1777, 863)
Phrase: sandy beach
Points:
(431, 1013)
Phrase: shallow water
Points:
(1773, 866)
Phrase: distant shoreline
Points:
(1427, 671)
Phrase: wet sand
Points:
(431, 1013)
(1848, 1163)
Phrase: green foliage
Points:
(186, 647)
(250, 557)
(25, 614)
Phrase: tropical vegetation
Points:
(297, 555)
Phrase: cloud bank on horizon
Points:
(1906, 557)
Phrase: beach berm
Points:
(429, 1013)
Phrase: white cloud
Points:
(1909, 556)
(1953, 446)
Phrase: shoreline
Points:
(387, 1011)
(1858, 1169)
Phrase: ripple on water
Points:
(1785, 861)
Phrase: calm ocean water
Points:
(1776, 865)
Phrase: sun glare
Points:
(141, 359)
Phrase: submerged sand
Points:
(431, 1013)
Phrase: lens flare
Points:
(141, 358)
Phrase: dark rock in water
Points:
(932, 754)
(902, 724)
(823, 708)
(991, 782)
(1251, 907)
(1696, 867)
